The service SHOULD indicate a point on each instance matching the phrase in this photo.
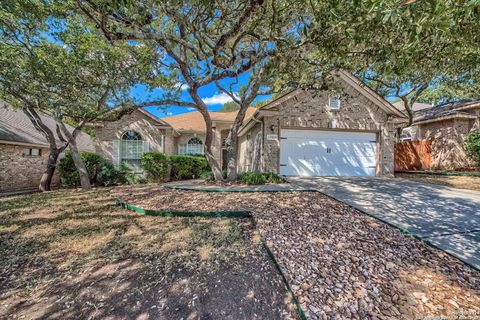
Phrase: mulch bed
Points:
(340, 263)
(76, 255)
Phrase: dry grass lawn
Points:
(460, 182)
(75, 255)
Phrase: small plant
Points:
(187, 167)
(155, 165)
(256, 178)
(473, 146)
(207, 176)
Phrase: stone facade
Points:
(160, 138)
(19, 172)
(448, 142)
(303, 110)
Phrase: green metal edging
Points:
(236, 190)
(403, 230)
(226, 214)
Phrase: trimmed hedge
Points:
(157, 165)
(101, 171)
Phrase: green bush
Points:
(187, 167)
(101, 172)
(473, 146)
(256, 178)
(155, 166)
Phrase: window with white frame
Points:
(31, 152)
(131, 149)
(334, 101)
(192, 147)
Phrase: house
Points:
(24, 150)
(446, 126)
(350, 132)
(126, 139)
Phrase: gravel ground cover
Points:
(340, 263)
(77, 255)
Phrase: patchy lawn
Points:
(77, 255)
(461, 182)
(341, 263)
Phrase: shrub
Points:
(101, 172)
(255, 178)
(68, 172)
(187, 167)
(155, 166)
(473, 146)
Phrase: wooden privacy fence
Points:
(413, 155)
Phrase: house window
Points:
(31, 152)
(194, 146)
(131, 149)
(334, 101)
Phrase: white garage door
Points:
(327, 153)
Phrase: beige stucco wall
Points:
(148, 128)
(18, 172)
(448, 141)
(311, 111)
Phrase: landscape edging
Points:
(225, 214)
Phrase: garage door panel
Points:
(327, 153)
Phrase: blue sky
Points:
(210, 94)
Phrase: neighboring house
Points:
(126, 139)
(446, 126)
(24, 150)
(349, 133)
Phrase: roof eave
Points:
(443, 118)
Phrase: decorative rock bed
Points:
(339, 262)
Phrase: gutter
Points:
(27, 144)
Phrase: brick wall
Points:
(18, 172)
(250, 151)
(139, 122)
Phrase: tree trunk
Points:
(212, 161)
(82, 170)
(72, 141)
(46, 179)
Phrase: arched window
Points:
(131, 149)
(193, 146)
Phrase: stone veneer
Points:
(148, 128)
(303, 110)
(19, 172)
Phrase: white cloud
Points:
(190, 109)
(182, 86)
(169, 113)
(219, 98)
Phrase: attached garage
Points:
(346, 129)
(327, 153)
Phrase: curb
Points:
(235, 190)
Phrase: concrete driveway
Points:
(445, 217)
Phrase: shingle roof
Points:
(417, 106)
(452, 109)
(193, 121)
(15, 126)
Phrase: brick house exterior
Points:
(24, 151)
(447, 126)
(171, 135)
(361, 111)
